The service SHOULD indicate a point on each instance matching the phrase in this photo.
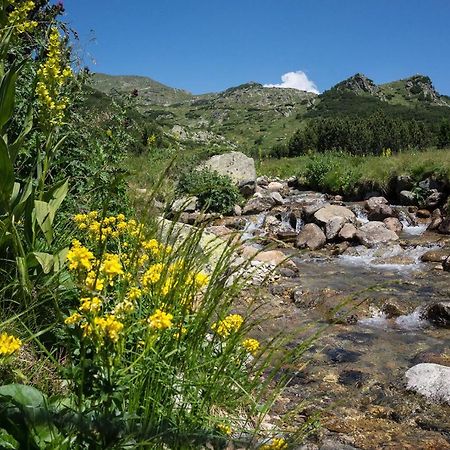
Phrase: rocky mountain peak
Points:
(422, 87)
(358, 84)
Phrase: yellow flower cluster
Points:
(251, 345)
(224, 428)
(18, 17)
(160, 320)
(52, 75)
(230, 324)
(80, 258)
(152, 275)
(111, 266)
(105, 327)
(90, 305)
(276, 444)
(9, 344)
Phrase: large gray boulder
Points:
(378, 208)
(239, 167)
(333, 227)
(328, 212)
(311, 236)
(430, 380)
(374, 233)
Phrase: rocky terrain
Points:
(375, 278)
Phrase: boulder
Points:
(423, 214)
(328, 212)
(436, 256)
(348, 232)
(407, 198)
(239, 167)
(333, 226)
(311, 236)
(184, 204)
(438, 314)
(258, 203)
(262, 181)
(374, 233)
(393, 224)
(444, 227)
(378, 208)
(274, 257)
(237, 210)
(436, 219)
(278, 199)
(434, 199)
(275, 186)
(430, 380)
(247, 188)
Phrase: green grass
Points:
(346, 173)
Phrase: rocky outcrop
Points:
(311, 236)
(374, 233)
(430, 380)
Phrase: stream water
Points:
(355, 371)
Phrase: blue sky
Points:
(210, 45)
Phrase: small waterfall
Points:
(251, 227)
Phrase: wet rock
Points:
(329, 212)
(311, 236)
(258, 203)
(298, 295)
(348, 232)
(375, 233)
(352, 378)
(393, 224)
(340, 355)
(334, 226)
(184, 204)
(357, 337)
(286, 272)
(407, 198)
(438, 314)
(287, 236)
(277, 198)
(435, 358)
(434, 199)
(436, 219)
(446, 265)
(398, 260)
(234, 222)
(436, 255)
(393, 308)
(275, 186)
(430, 380)
(308, 211)
(340, 248)
(423, 214)
(444, 227)
(378, 208)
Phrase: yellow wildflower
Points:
(201, 279)
(276, 444)
(230, 324)
(18, 17)
(152, 275)
(73, 319)
(111, 266)
(90, 305)
(9, 344)
(108, 327)
(93, 214)
(79, 257)
(134, 293)
(224, 428)
(124, 308)
(120, 218)
(160, 320)
(94, 282)
(251, 345)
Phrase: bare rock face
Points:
(393, 224)
(430, 380)
(312, 237)
(378, 208)
(372, 234)
(348, 232)
(328, 212)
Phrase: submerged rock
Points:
(430, 380)
(438, 314)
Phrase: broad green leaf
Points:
(23, 395)
(18, 204)
(7, 95)
(59, 259)
(57, 195)
(27, 127)
(44, 216)
(6, 176)
(45, 260)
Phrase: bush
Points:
(215, 192)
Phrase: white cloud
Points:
(296, 80)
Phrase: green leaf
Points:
(44, 216)
(27, 127)
(7, 95)
(23, 395)
(6, 176)
(45, 260)
(57, 194)
(7, 441)
(59, 259)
